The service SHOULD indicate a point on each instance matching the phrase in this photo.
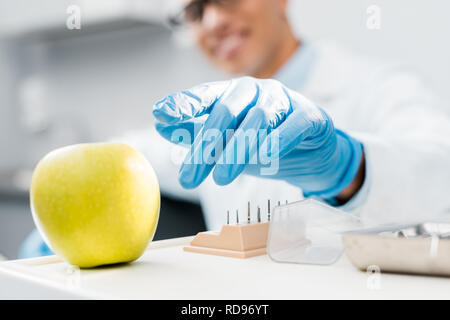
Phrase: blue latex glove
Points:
(300, 136)
(34, 246)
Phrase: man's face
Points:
(240, 36)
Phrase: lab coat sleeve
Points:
(406, 140)
(165, 159)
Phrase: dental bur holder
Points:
(238, 241)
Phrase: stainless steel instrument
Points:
(422, 248)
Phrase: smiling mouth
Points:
(230, 46)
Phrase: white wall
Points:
(93, 87)
(414, 31)
(9, 77)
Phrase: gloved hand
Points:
(295, 134)
(34, 246)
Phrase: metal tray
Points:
(422, 248)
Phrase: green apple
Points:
(95, 203)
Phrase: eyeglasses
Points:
(194, 10)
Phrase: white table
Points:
(165, 271)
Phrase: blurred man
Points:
(392, 153)
(355, 133)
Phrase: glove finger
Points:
(187, 104)
(182, 133)
(273, 107)
(227, 113)
(295, 130)
(242, 149)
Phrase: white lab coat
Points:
(404, 128)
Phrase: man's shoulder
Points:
(339, 67)
(338, 57)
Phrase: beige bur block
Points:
(238, 241)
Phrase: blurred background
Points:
(61, 86)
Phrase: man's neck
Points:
(279, 58)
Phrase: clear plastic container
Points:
(308, 232)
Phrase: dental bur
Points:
(248, 213)
(268, 210)
(259, 214)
